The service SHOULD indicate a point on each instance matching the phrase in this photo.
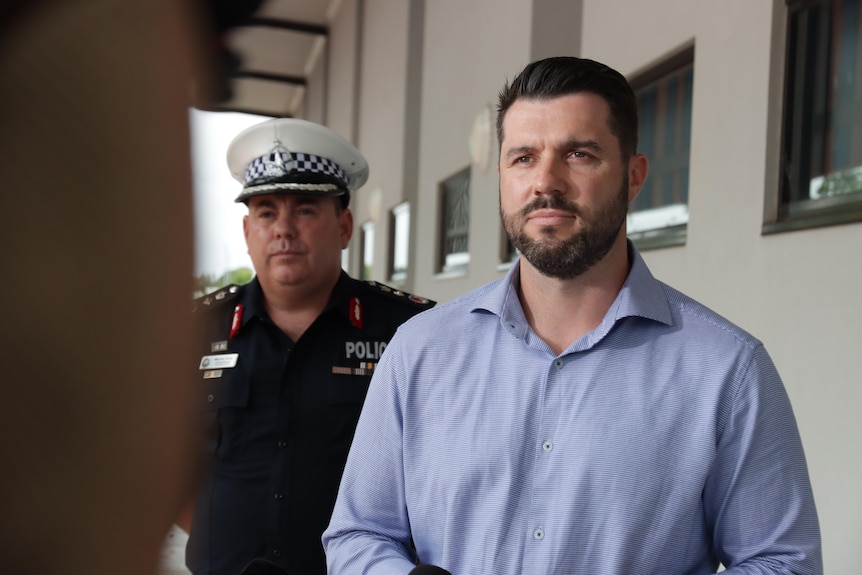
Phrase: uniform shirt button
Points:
(279, 496)
(538, 533)
(548, 446)
(276, 553)
(282, 444)
(210, 398)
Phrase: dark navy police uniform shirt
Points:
(280, 417)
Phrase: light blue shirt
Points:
(661, 443)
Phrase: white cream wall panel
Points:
(798, 292)
(382, 109)
(470, 50)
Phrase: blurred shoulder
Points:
(217, 299)
(392, 296)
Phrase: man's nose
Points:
(285, 225)
(550, 177)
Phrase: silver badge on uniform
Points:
(219, 361)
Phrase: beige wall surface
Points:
(341, 62)
(382, 114)
(471, 48)
(796, 291)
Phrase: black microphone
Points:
(428, 570)
(261, 566)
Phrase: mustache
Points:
(282, 246)
(550, 203)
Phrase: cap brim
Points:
(287, 188)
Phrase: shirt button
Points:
(559, 363)
(210, 398)
(548, 446)
(282, 444)
(276, 553)
(279, 496)
(538, 533)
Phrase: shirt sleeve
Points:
(759, 498)
(369, 525)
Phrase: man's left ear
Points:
(638, 169)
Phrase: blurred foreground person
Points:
(96, 231)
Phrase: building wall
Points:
(341, 62)
(470, 48)
(796, 291)
(340, 81)
(382, 109)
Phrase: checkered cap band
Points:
(298, 162)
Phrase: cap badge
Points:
(278, 161)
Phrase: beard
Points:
(569, 257)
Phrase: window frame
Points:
(671, 235)
(395, 275)
(799, 95)
(445, 234)
(366, 268)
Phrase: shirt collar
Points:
(641, 296)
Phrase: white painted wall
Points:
(382, 109)
(470, 49)
(799, 291)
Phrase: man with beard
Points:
(287, 358)
(577, 416)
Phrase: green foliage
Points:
(206, 283)
(838, 183)
(238, 276)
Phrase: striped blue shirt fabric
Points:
(661, 443)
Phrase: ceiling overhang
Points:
(271, 55)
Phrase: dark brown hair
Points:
(563, 75)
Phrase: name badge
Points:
(220, 361)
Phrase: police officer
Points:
(287, 358)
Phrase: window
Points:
(658, 216)
(454, 222)
(821, 154)
(399, 220)
(367, 249)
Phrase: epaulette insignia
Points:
(219, 296)
(398, 293)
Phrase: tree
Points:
(838, 183)
(206, 283)
(237, 276)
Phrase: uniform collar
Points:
(344, 298)
(252, 301)
(340, 300)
